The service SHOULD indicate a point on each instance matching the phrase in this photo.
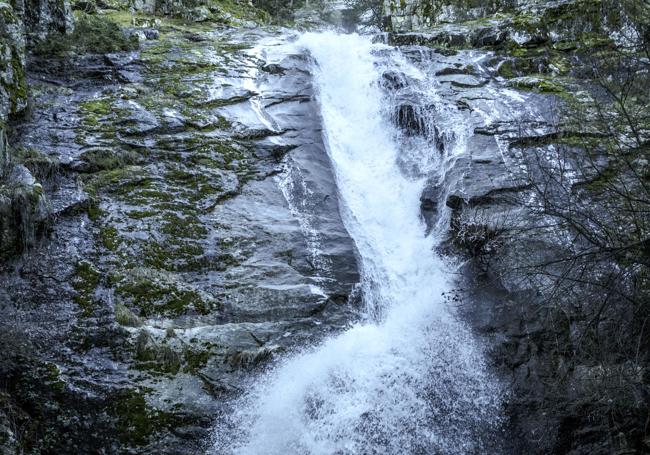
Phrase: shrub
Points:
(92, 34)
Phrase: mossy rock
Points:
(43, 167)
(92, 34)
(542, 84)
(169, 355)
(159, 357)
(24, 213)
(85, 282)
(137, 422)
(157, 293)
(123, 179)
(125, 317)
(105, 159)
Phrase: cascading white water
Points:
(408, 378)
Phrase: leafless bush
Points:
(479, 234)
(591, 198)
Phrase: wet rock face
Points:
(190, 231)
(409, 119)
(422, 15)
(196, 238)
(24, 212)
(408, 15)
(24, 209)
(206, 12)
(487, 192)
(13, 96)
(43, 17)
(510, 74)
(22, 22)
(429, 203)
(564, 25)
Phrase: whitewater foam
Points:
(409, 378)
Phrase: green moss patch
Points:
(125, 317)
(92, 34)
(102, 159)
(542, 84)
(42, 166)
(169, 355)
(158, 294)
(85, 282)
(137, 422)
(122, 180)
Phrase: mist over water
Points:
(408, 378)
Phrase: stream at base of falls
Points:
(408, 377)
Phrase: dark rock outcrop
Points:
(190, 230)
(24, 208)
(195, 237)
(529, 201)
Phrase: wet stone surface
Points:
(196, 236)
(517, 132)
(194, 233)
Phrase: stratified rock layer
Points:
(195, 236)
(537, 161)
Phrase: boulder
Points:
(13, 89)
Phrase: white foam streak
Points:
(409, 379)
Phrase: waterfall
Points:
(408, 378)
